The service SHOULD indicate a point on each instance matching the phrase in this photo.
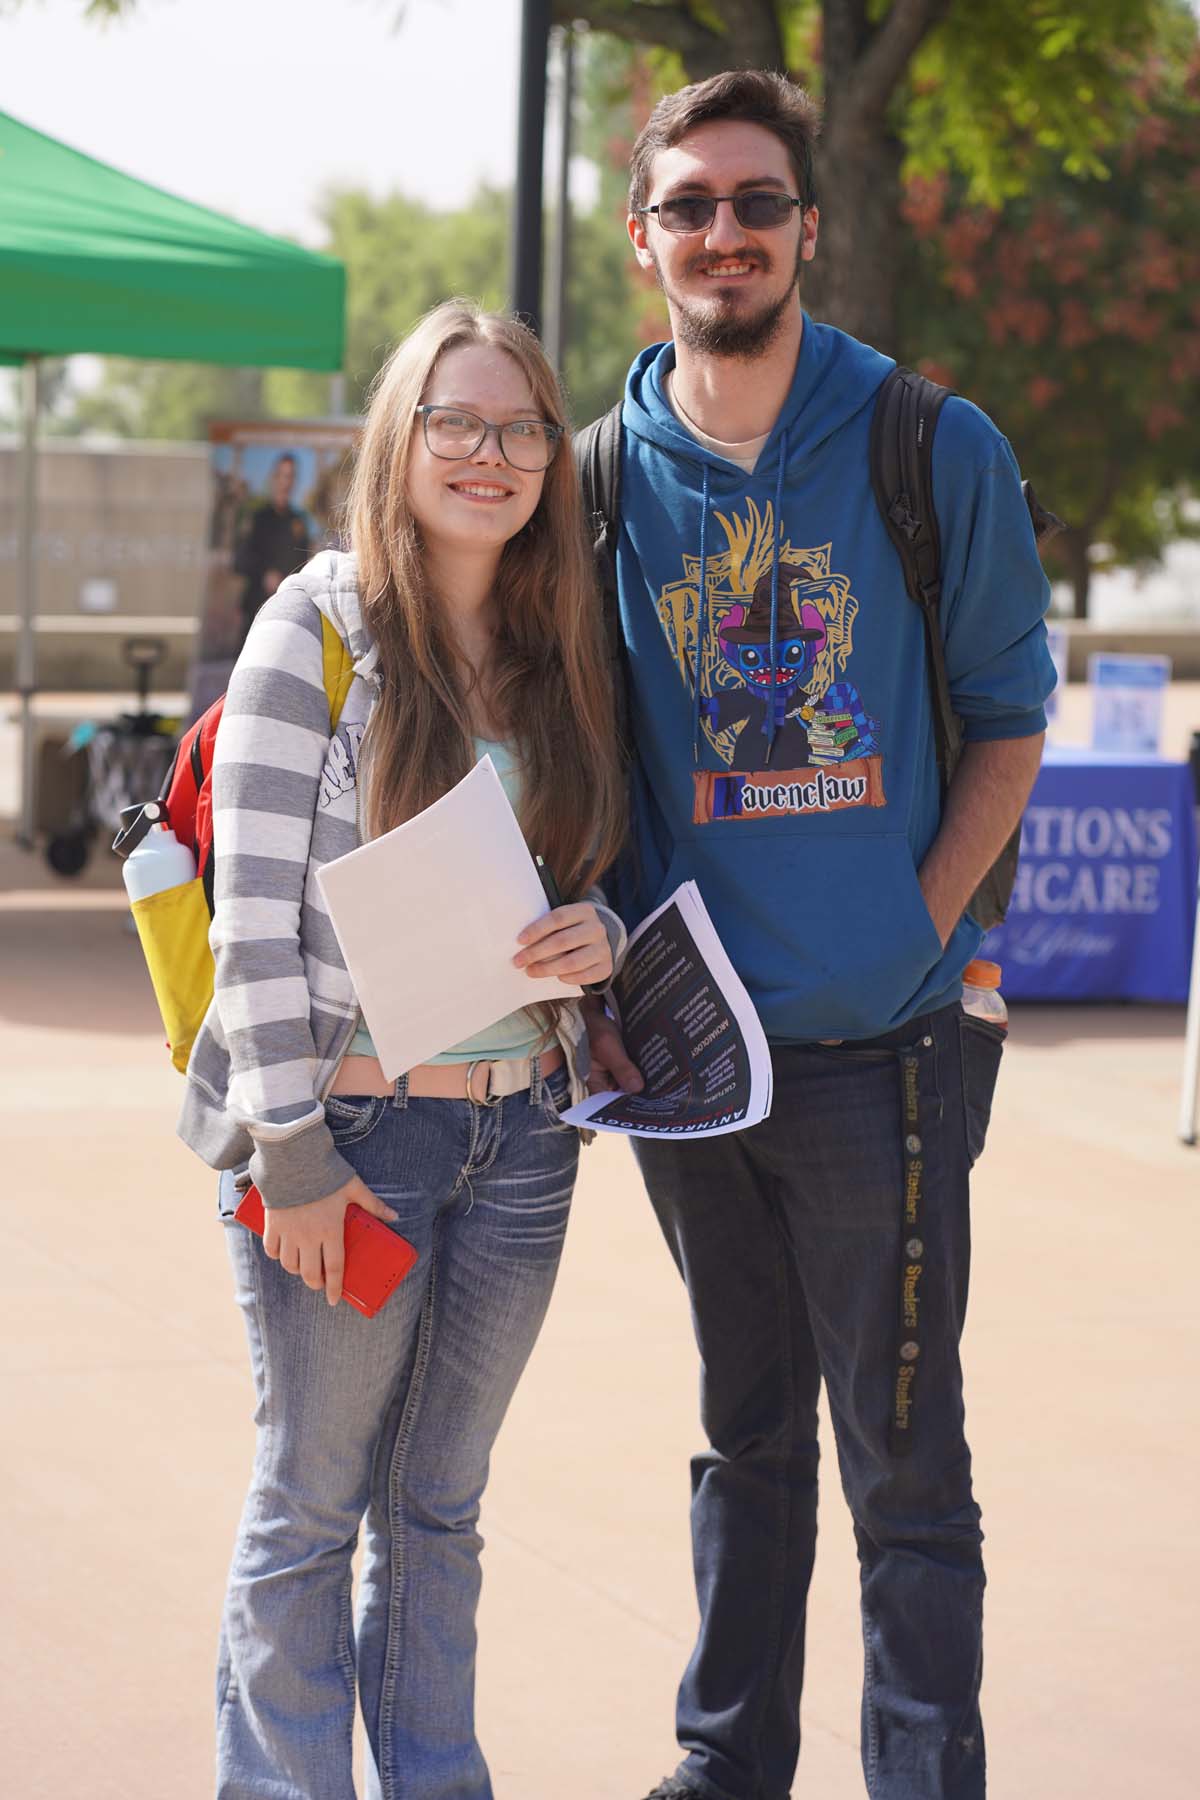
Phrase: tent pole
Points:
(26, 670)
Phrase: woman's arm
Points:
(271, 750)
(267, 762)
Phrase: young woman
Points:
(466, 606)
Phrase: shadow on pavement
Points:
(69, 958)
(1041, 1025)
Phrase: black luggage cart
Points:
(123, 762)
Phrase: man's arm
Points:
(986, 798)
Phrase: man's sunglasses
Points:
(758, 209)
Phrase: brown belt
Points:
(478, 1081)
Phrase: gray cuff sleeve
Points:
(617, 937)
(294, 1170)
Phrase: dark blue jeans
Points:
(833, 1242)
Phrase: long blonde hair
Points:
(549, 689)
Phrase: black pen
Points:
(549, 885)
(551, 890)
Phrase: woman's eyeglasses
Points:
(758, 209)
(528, 444)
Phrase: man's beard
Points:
(712, 330)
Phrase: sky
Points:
(254, 106)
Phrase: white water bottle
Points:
(981, 996)
(158, 860)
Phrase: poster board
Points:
(278, 491)
(1127, 701)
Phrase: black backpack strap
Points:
(597, 450)
(907, 408)
(598, 459)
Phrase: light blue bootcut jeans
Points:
(388, 1423)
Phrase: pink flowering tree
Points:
(1072, 316)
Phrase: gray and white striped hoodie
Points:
(285, 795)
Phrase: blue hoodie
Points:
(780, 700)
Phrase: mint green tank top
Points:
(516, 1035)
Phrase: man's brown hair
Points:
(754, 96)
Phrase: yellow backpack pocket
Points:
(173, 928)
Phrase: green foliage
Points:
(402, 258)
(613, 311)
(998, 89)
(1071, 316)
(161, 400)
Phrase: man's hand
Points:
(611, 1066)
(310, 1240)
(570, 943)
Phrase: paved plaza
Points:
(129, 1436)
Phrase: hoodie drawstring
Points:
(701, 621)
(777, 536)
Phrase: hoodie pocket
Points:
(831, 936)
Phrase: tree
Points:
(986, 91)
(1072, 316)
(159, 400)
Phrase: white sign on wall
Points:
(1127, 701)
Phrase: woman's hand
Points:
(570, 943)
(310, 1240)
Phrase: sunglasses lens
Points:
(687, 212)
(762, 212)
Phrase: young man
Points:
(781, 715)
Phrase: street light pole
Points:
(556, 299)
(526, 276)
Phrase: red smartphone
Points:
(377, 1260)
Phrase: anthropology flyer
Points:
(690, 1026)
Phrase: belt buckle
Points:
(489, 1099)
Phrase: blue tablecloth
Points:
(1105, 899)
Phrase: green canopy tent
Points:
(93, 260)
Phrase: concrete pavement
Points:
(128, 1432)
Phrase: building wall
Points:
(133, 516)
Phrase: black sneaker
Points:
(672, 1788)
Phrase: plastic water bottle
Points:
(158, 860)
(981, 996)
